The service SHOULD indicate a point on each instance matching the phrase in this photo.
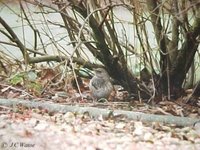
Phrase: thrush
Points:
(100, 85)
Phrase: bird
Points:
(100, 85)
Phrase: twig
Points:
(16, 89)
(15, 39)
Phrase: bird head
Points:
(101, 73)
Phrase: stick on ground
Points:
(96, 112)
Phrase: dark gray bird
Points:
(100, 85)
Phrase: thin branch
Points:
(15, 39)
(30, 50)
(62, 58)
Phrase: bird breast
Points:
(100, 88)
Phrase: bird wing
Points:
(98, 83)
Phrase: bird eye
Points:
(98, 71)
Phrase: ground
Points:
(23, 128)
(39, 130)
